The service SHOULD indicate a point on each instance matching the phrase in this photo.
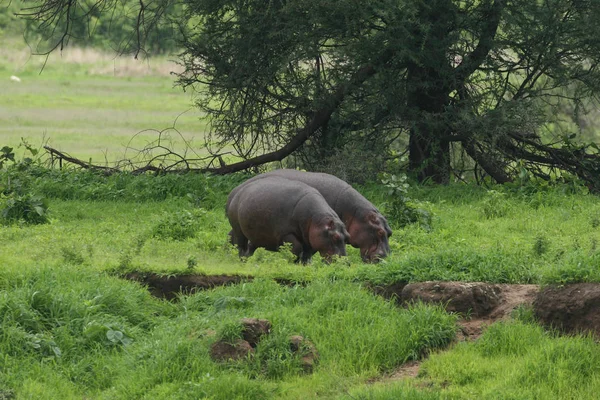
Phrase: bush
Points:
(27, 208)
(399, 208)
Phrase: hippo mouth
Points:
(374, 256)
(372, 259)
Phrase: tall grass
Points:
(95, 335)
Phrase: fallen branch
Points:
(60, 156)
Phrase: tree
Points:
(482, 78)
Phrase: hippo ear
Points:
(388, 230)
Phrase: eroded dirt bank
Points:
(570, 308)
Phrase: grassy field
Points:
(72, 328)
(61, 298)
(92, 105)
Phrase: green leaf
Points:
(114, 336)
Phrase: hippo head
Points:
(328, 236)
(369, 232)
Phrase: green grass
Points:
(72, 328)
(134, 222)
(512, 360)
(92, 105)
(59, 323)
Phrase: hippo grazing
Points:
(270, 211)
(368, 228)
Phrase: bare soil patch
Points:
(573, 308)
(169, 286)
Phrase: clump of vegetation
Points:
(26, 208)
(18, 203)
(180, 225)
(494, 205)
(541, 245)
(274, 358)
(191, 262)
(400, 208)
(230, 331)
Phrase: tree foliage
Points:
(477, 84)
(127, 26)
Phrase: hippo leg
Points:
(251, 249)
(306, 255)
(238, 239)
(297, 246)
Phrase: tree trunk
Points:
(429, 148)
(429, 157)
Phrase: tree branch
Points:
(472, 61)
(319, 118)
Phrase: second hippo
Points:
(271, 211)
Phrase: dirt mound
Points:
(479, 304)
(475, 299)
(571, 308)
(225, 351)
(168, 286)
(253, 329)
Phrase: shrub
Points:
(400, 208)
(27, 208)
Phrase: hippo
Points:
(271, 211)
(368, 228)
